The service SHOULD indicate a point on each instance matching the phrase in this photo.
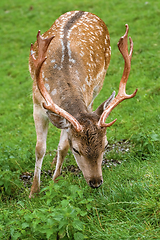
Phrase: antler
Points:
(123, 48)
(43, 44)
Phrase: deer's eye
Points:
(76, 151)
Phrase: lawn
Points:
(127, 205)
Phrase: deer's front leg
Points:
(41, 124)
(61, 153)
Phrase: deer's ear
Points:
(58, 121)
(103, 105)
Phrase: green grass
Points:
(127, 206)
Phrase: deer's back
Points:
(77, 58)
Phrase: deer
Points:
(68, 64)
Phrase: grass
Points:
(127, 205)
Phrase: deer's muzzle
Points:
(95, 182)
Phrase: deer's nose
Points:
(95, 183)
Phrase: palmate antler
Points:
(123, 48)
(43, 44)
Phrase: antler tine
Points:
(123, 48)
(131, 47)
(43, 44)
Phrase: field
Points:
(127, 205)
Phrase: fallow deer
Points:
(68, 64)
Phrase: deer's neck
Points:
(72, 101)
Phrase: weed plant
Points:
(127, 206)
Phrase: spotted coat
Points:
(77, 58)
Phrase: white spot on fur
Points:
(81, 54)
(32, 52)
(91, 58)
(54, 92)
(63, 49)
(47, 86)
(87, 81)
(30, 68)
(68, 46)
(84, 87)
(70, 53)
